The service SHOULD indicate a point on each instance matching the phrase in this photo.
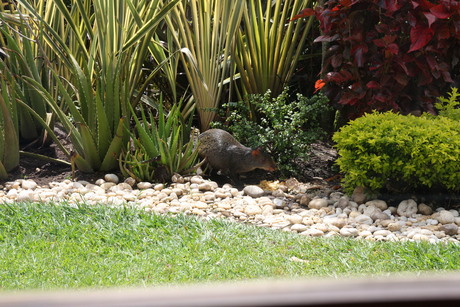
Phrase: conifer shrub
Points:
(397, 153)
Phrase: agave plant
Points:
(205, 31)
(268, 45)
(23, 57)
(164, 145)
(9, 142)
(102, 44)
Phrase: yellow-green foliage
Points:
(388, 150)
(449, 107)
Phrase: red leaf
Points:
(401, 79)
(339, 77)
(442, 31)
(336, 60)
(373, 84)
(420, 35)
(424, 4)
(440, 11)
(446, 76)
(385, 41)
(430, 17)
(391, 6)
(304, 13)
(393, 48)
(346, 3)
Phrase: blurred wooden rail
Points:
(426, 290)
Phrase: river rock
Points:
(299, 227)
(445, 217)
(338, 222)
(349, 232)
(375, 213)
(359, 195)
(312, 232)
(253, 191)
(407, 208)
(29, 185)
(363, 219)
(304, 200)
(111, 178)
(449, 229)
(378, 203)
(252, 210)
(318, 203)
(343, 202)
(425, 209)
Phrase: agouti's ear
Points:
(255, 152)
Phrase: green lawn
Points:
(48, 246)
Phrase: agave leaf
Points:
(10, 140)
(103, 131)
(3, 172)
(145, 139)
(90, 152)
(46, 127)
(150, 24)
(81, 163)
(113, 152)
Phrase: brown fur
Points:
(223, 152)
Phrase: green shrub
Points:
(400, 153)
(285, 128)
(449, 107)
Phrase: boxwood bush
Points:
(397, 153)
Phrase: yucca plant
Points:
(103, 44)
(205, 31)
(268, 45)
(163, 145)
(23, 57)
(9, 141)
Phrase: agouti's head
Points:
(263, 160)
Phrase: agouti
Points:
(223, 152)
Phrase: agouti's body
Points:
(223, 152)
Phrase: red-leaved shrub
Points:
(388, 54)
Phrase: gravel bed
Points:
(304, 208)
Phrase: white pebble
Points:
(294, 219)
(318, 203)
(111, 178)
(349, 232)
(445, 217)
(29, 185)
(425, 209)
(25, 195)
(312, 232)
(253, 191)
(299, 227)
(378, 203)
(144, 185)
(252, 210)
(363, 219)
